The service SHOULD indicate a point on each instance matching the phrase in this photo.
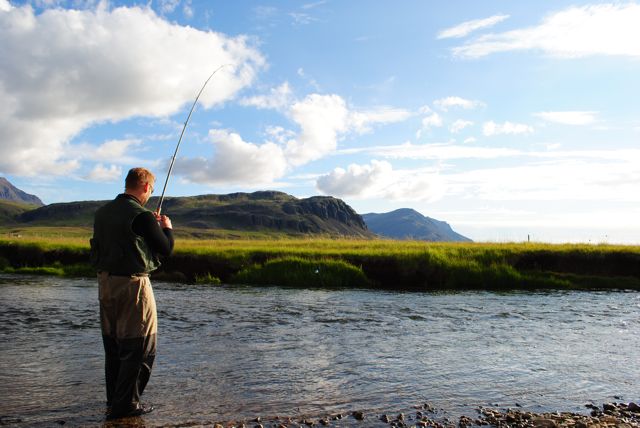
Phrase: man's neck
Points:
(133, 196)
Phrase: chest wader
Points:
(129, 330)
(128, 316)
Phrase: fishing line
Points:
(173, 159)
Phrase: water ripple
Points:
(233, 352)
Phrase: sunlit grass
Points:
(384, 263)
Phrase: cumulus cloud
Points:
(321, 119)
(491, 128)
(445, 104)
(324, 119)
(101, 65)
(604, 29)
(356, 180)
(379, 180)
(235, 162)
(278, 98)
(464, 29)
(102, 173)
(568, 117)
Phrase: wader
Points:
(129, 326)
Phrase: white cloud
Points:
(321, 119)
(445, 104)
(101, 65)
(433, 120)
(491, 128)
(279, 134)
(470, 140)
(568, 117)
(324, 119)
(235, 162)
(379, 180)
(356, 180)
(102, 173)
(278, 98)
(605, 29)
(459, 125)
(467, 27)
(115, 149)
(361, 120)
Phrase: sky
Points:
(508, 120)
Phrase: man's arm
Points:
(159, 239)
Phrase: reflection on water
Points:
(239, 352)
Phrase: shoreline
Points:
(619, 415)
(609, 415)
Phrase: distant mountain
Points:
(406, 223)
(9, 192)
(258, 211)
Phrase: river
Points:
(234, 353)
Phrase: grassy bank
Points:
(349, 263)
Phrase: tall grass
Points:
(380, 263)
(301, 272)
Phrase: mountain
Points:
(406, 223)
(11, 193)
(258, 211)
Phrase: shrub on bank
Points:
(301, 272)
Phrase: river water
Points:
(234, 353)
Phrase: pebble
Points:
(358, 415)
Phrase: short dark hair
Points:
(137, 177)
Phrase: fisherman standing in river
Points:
(127, 240)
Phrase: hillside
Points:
(406, 223)
(11, 211)
(258, 211)
(8, 192)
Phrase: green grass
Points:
(301, 272)
(386, 264)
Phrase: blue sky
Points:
(505, 119)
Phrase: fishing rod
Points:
(173, 159)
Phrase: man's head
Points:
(139, 183)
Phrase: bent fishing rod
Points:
(173, 159)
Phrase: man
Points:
(127, 240)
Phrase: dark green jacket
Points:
(115, 247)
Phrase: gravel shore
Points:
(611, 415)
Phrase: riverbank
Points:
(383, 264)
(618, 415)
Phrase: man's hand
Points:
(165, 222)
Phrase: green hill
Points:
(265, 211)
(11, 211)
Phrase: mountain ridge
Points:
(407, 223)
(257, 211)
